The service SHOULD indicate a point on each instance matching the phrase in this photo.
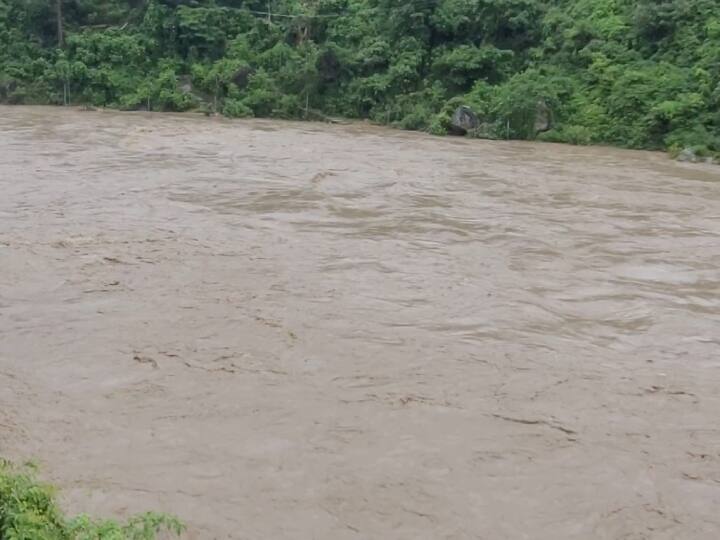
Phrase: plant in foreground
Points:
(29, 511)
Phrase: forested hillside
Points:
(636, 73)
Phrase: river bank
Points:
(687, 155)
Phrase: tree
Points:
(59, 18)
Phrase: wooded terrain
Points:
(635, 73)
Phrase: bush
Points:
(416, 121)
(697, 139)
(234, 108)
(568, 134)
(29, 511)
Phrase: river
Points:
(295, 330)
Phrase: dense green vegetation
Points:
(636, 73)
(28, 511)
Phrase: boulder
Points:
(463, 120)
(7, 89)
(185, 84)
(242, 76)
(693, 156)
(543, 117)
(688, 154)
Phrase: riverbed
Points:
(296, 330)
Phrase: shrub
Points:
(568, 134)
(29, 511)
(234, 108)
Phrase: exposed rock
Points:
(242, 76)
(688, 154)
(185, 84)
(7, 88)
(329, 66)
(463, 120)
(543, 117)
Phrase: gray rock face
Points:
(6, 90)
(543, 117)
(185, 84)
(688, 154)
(463, 120)
(242, 76)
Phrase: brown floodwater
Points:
(293, 330)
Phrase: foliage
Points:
(637, 73)
(29, 511)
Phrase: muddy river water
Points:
(301, 331)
